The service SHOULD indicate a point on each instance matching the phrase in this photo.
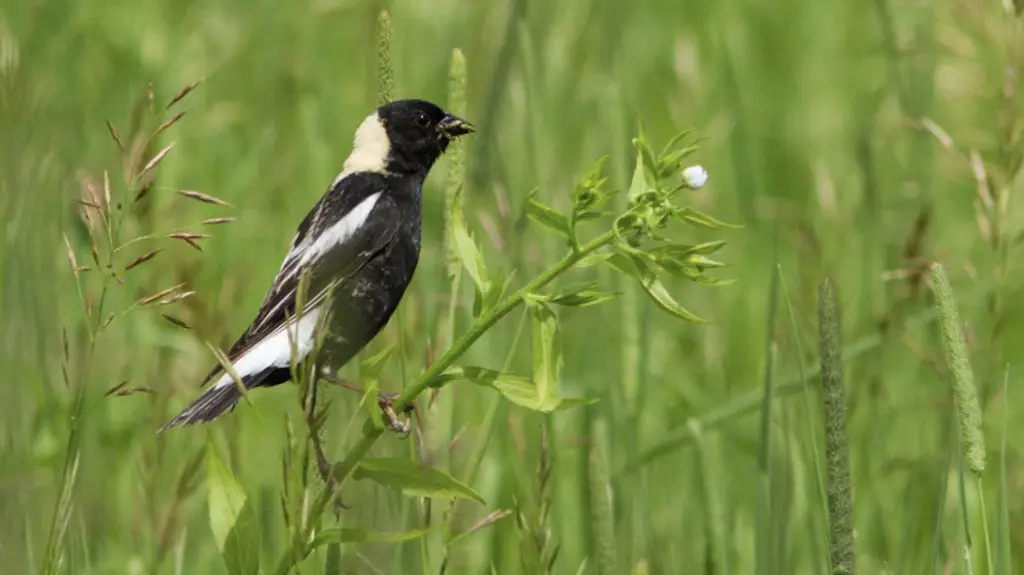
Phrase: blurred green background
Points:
(839, 133)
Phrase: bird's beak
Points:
(454, 126)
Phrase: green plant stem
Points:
(984, 524)
(485, 322)
(371, 432)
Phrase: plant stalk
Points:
(371, 433)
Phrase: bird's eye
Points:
(422, 120)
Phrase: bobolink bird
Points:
(359, 247)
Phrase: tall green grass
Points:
(873, 141)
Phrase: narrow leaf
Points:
(348, 535)
(225, 498)
(517, 389)
(547, 355)
(638, 185)
(465, 248)
(412, 479)
(372, 366)
(546, 216)
(580, 296)
(695, 217)
(631, 264)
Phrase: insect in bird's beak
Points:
(454, 126)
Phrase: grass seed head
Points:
(964, 391)
(205, 198)
(182, 93)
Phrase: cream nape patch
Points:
(370, 148)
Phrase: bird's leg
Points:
(385, 401)
(403, 426)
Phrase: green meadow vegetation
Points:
(805, 366)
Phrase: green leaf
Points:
(465, 248)
(370, 404)
(670, 146)
(593, 259)
(588, 195)
(483, 302)
(546, 216)
(412, 479)
(703, 262)
(582, 295)
(692, 216)
(633, 265)
(671, 163)
(232, 518)
(638, 185)
(225, 497)
(683, 251)
(349, 535)
(374, 365)
(517, 389)
(547, 353)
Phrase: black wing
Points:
(333, 266)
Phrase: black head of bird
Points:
(408, 135)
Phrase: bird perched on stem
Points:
(357, 250)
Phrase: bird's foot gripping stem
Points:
(398, 425)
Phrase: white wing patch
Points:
(339, 232)
(275, 350)
(312, 248)
(370, 149)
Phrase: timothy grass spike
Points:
(457, 174)
(964, 390)
(385, 61)
(840, 498)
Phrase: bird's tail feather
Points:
(215, 401)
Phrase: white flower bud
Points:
(695, 176)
